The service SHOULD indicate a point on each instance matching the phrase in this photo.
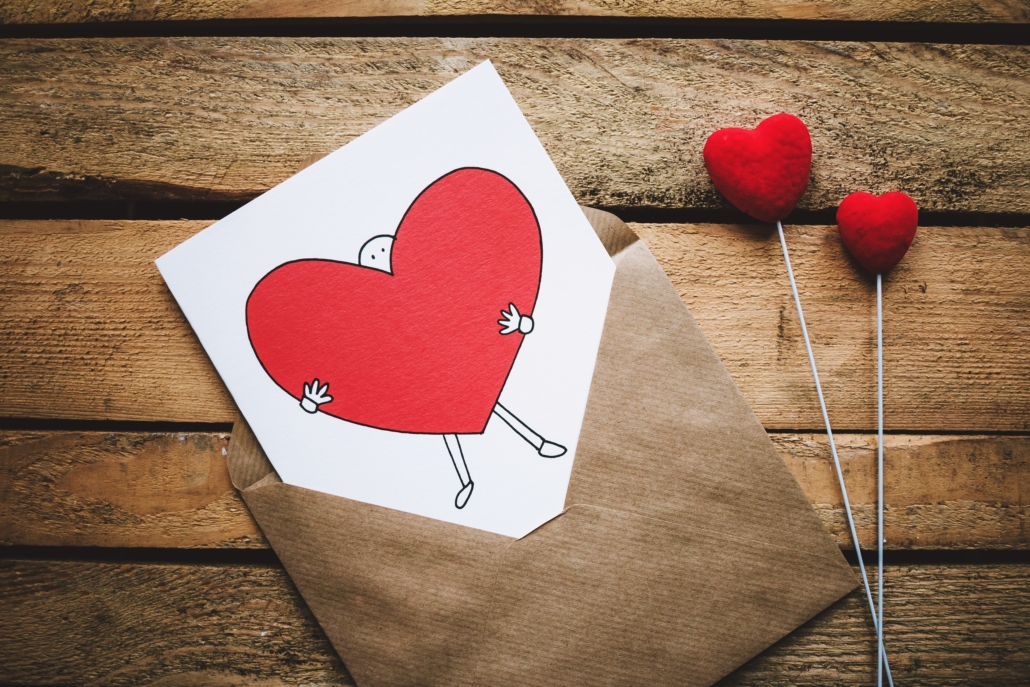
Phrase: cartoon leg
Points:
(547, 449)
(458, 458)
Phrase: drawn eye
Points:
(382, 250)
(373, 257)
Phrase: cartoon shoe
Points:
(549, 449)
(463, 496)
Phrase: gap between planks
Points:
(215, 210)
(535, 26)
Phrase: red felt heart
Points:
(878, 231)
(418, 350)
(763, 172)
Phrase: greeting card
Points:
(413, 321)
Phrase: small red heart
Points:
(878, 231)
(419, 349)
(763, 172)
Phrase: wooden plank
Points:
(87, 322)
(88, 329)
(940, 492)
(943, 625)
(956, 340)
(624, 120)
(158, 624)
(178, 625)
(131, 490)
(136, 490)
(65, 11)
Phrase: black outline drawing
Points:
(511, 321)
(368, 250)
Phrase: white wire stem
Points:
(879, 479)
(881, 650)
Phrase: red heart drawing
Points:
(418, 350)
(878, 231)
(764, 171)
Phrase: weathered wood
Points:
(177, 625)
(131, 490)
(940, 492)
(65, 11)
(624, 120)
(136, 490)
(110, 624)
(88, 329)
(943, 625)
(954, 309)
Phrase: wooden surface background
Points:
(126, 557)
(963, 11)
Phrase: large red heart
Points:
(878, 231)
(763, 172)
(418, 350)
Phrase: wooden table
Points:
(128, 558)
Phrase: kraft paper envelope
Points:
(685, 548)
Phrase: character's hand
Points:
(314, 397)
(513, 321)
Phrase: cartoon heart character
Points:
(408, 339)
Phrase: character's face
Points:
(376, 253)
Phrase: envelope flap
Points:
(400, 596)
(603, 597)
(397, 594)
(668, 435)
(613, 232)
(247, 462)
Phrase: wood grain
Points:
(131, 490)
(245, 625)
(171, 490)
(940, 492)
(956, 334)
(942, 625)
(624, 120)
(65, 11)
(88, 329)
(110, 624)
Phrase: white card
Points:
(361, 314)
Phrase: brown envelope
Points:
(685, 548)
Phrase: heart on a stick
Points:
(764, 171)
(878, 231)
(417, 349)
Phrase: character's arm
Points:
(314, 397)
(512, 321)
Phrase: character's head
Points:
(376, 253)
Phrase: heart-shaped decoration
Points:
(419, 349)
(878, 231)
(764, 171)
